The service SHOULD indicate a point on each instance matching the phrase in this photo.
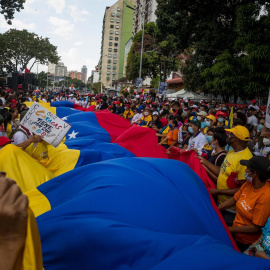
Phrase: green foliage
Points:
(153, 43)
(97, 87)
(9, 7)
(18, 48)
(155, 82)
(42, 77)
(230, 42)
(124, 93)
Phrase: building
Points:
(57, 70)
(127, 49)
(84, 74)
(95, 76)
(144, 10)
(116, 31)
(75, 75)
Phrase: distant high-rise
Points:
(59, 70)
(144, 10)
(116, 31)
(84, 74)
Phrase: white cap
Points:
(155, 113)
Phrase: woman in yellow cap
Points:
(210, 121)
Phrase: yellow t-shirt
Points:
(128, 114)
(145, 120)
(165, 131)
(231, 164)
(39, 153)
(93, 103)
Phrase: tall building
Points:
(84, 74)
(127, 49)
(58, 70)
(144, 10)
(116, 31)
(75, 75)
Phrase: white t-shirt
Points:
(197, 142)
(253, 121)
(44, 100)
(19, 137)
(3, 100)
(84, 103)
(256, 107)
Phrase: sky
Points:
(75, 27)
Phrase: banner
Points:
(42, 122)
(139, 82)
(267, 113)
(162, 87)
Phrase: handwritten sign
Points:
(42, 122)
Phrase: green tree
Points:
(18, 48)
(8, 8)
(97, 87)
(151, 61)
(42, 77)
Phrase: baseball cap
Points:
(220, 113)
(118, 102)
(202, 113)
(253, 101)
(240, 132)
(4, 141)
(155, 113)
(258, 163)
(196, 122)
(211, 117)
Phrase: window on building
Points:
(116, 38)
(108, 78)
(110, 37)
(117, 26)
(116, 32)
(108, 66)
(109, 61)
(109, 56)
(117, 15)
(111, 32)
(110, 49)
(114, 67)
(117, 21)
(113, 14)
(115, 44)
(118, 9)
(108, 73)
(115, 50)
(110, 43)
(112, 20)
(112, 26)
(114, 62)
(115, 56)
(114, 73)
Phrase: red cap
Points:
(220, 113)
(191, 101)
(4, 141)
(118, 102)
(253, 101)
(185, 121)
(110, 106)
(20, 86)
(14, 101)
(89, 95)
(98, 101)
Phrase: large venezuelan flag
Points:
(133, 213)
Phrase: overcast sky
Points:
(73, 26)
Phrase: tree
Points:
(227, 37)
(42, 77)
(97, 87)
(151, 63)
(18, 48)
(8, 8)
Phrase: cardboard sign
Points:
(267, 113)
(42, 122)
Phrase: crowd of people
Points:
(231, 142)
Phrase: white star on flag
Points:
(64, 118)
(73, 135)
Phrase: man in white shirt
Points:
(138, 116)
(254, 105)
(84, 103)
(197, 140)
(252, 119)
(2, 97)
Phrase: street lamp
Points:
(143, 13)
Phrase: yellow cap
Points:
(212, 117)
(240, 132)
